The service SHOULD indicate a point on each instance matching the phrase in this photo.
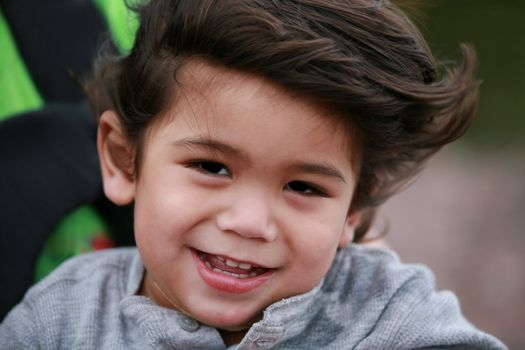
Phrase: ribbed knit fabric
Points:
(368, 300)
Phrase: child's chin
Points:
(230, 320)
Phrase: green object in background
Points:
(17, 92)
(122, 22)
(80, 232)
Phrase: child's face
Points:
(240, 170)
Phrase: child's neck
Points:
(232, 337)
(228, 337)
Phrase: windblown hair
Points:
(362, 58)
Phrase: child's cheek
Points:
(314, 254)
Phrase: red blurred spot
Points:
(100, 242)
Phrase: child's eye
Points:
(305, 189)
(210, 167)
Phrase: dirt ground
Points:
(465, 218)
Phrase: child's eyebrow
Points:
(320, 169)
(212, 146)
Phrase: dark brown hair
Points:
(362, 58)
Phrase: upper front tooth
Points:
(245, 266)
(232, 263)
(220, 258)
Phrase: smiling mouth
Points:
(229, 275)
(231, 267)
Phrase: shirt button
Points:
(188, 324)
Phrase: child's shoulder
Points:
(84, 274)
(74, 301)
(362, 260)
(386, 302)
(357, 270)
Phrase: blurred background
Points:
(464, 216)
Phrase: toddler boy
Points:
(256, 139)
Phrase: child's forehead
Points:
(201, 83)
(203, 77)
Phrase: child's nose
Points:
(249, 216)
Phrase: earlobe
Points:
(352, 221)
(116, 155)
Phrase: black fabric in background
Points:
(54, 38)
(49, 167)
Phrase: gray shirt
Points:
(368, 300)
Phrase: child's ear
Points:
(352, 221)
(116, 159)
